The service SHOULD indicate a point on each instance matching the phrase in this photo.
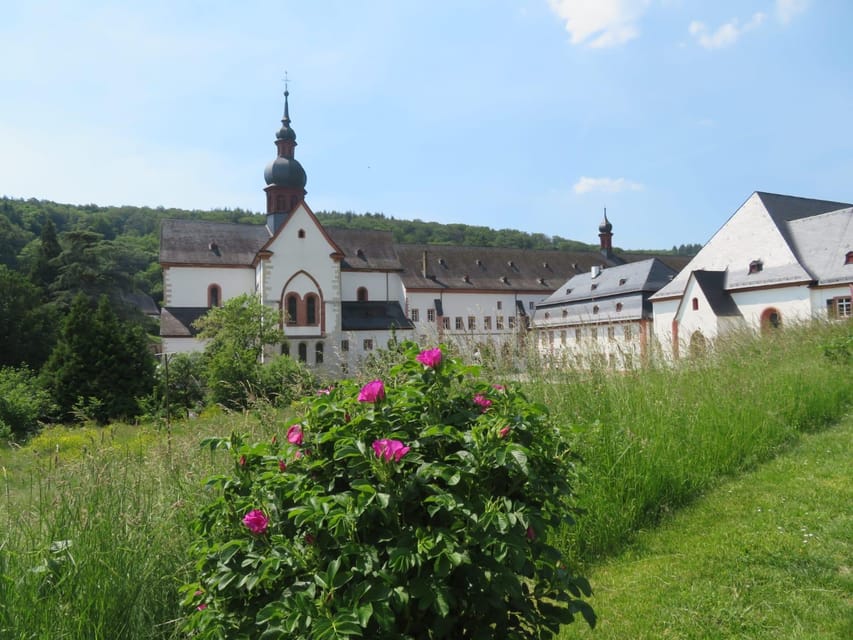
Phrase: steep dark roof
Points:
(365, 249)
(177, 322)
(210, 243)
(373, 315)
(713, 285)
(786, 208)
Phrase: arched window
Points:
(771, 319)
(695, 304)
(301, 233)
(214, 296)
(311, 309)
(361, 294)
(318, 353)
(303, 352)
(291, 306)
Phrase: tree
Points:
(238, 333)
(44, 270)
(99, 363)
(27, 328)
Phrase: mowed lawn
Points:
(766, 555)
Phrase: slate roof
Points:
(490, 268)
(821, 244)
(177, 322)
(616, 294)
(365, 250)
(713, 285)
(373, 315)
(190, 241)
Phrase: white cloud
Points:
(600, 23)
(725, 35)
(611, 185)
(786, 10)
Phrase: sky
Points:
(513, 114)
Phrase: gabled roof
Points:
(201, 242)
(821, 244)
(766, 223)
(373, 315)
(645, 276)
(713, 286)
(365, 249)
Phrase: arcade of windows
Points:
(302, 312)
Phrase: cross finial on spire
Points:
(286, 119)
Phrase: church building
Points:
(342, 293)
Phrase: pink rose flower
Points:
(324, 392)
(294, 434)
(242, 461)
(498, 387)
(430, 358)
(503, 432)
(256, 521)
(282, 466)
(373, 391)
(390, 449)
(201, 607)
(482, 401)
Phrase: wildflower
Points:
(482, 401)
(282, 466)
(429, 357)
(294, 434)
(309, 538)
(498, 387)
(324, 392)
(503, 432)
(390, 449)
(256, 521)
(531, 534)
(202, 606)
(242, 461)
(373, 391)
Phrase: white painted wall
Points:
(187, 286)
(380, 286)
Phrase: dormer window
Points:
(510, 264)
(593, 286)
(360, 253)
(568, 291)
(479, 262)
(541, 280)
(622, 281)
(545, 265)
(465, 278)
(442, 262)
(755, 266)
(504, 280)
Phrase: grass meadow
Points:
(95, 522)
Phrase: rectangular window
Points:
(511, 320)
(593, 333)
(460, 326)
(487, 323)
(345, 345)
(563, 338)
(611, 333)
(839, 307)
(430, 315)
(551, 338)
(445, 322)
(499, 323)
(627, 332)
(531, 305)
(500, 305)
(472, 323)
(368, 344)
(578, 335)
(415, 315)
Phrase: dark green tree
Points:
(27, 327)
(44, 270)
(100, 365)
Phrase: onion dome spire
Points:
(284, 176)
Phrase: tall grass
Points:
(93, 543)
(650, 440)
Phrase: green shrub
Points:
(283, 379)
(420, 510)
(23, 403)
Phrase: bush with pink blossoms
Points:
(404, 510)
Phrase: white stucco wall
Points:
(187, 286)
(380, 285)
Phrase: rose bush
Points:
(406, 511)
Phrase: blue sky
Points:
(524, 114)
